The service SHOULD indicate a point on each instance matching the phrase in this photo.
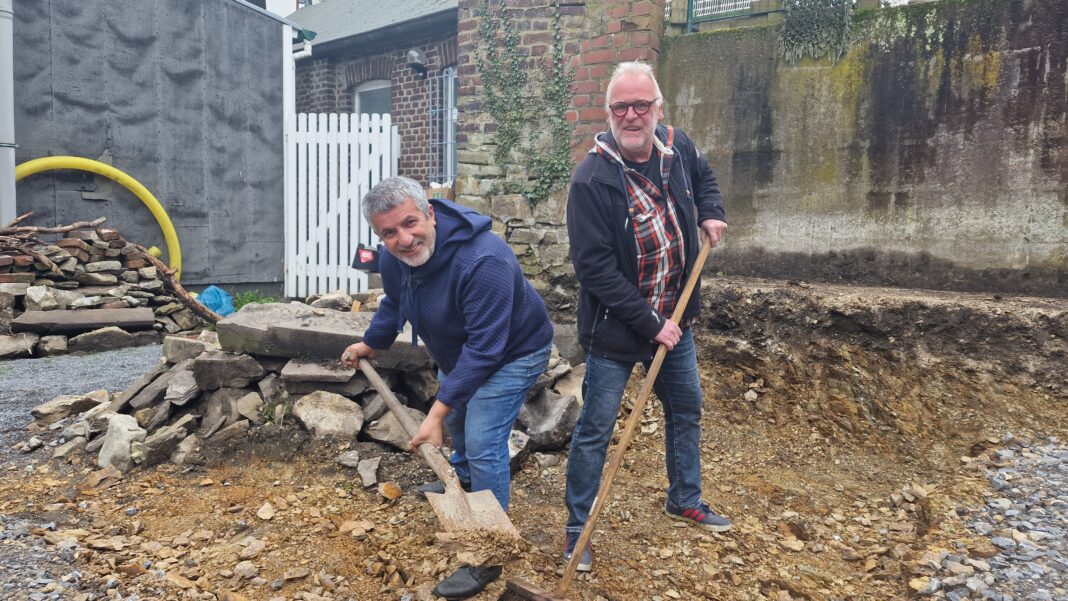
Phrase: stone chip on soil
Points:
(266, 511)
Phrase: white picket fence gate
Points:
(332, 161)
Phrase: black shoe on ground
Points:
(437, 486)
(466, 582)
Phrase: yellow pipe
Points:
(174, 251)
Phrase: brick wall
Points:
(326, 84)
(597, 34)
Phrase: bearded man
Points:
(461, 288)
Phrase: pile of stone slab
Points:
(270, 363)
(104, 296)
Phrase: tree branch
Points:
(172, 282)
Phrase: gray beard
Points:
(419, 262)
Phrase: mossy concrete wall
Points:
(932, 155)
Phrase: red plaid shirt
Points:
(661, 249)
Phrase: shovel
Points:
(457, 509)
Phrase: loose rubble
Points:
(852, 469)
(89, 290)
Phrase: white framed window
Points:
(372, 97)
(443, 116)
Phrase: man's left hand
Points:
(714, 230)
(352, 355)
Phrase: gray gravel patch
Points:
(29, 569)
(26, 383)
(1026, 520)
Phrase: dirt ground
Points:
(843, 427)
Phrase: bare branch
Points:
(183, 296)
(34, 229)
(19, 219)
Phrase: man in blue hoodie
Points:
(461, 288)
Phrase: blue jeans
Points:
(679, 390)
(480, 429)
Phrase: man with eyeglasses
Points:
(638, 205)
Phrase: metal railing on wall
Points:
(707, 10)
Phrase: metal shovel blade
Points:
(458, 510)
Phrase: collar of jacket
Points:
(612, 173)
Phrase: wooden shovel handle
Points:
(430, 453)
(631, 426)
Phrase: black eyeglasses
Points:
(619, 109)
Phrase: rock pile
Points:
(90, 290)
(268, 362)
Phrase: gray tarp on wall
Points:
(186, 97)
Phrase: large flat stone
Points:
(388, 429)
(297, 330)
(352, 388)
(323, 336)
(14, 289)
(246, 330)
(299, 370)
(221, 410)
(218, 369)
(153, 393)
(62, 406)
(326, 414)
(103, 339)
(180, 348)
(135, 387)
(76, 322)
(123, 432)
(18, 345)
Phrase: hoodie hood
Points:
(454, 225)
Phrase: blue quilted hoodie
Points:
(469, 304)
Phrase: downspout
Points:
(289, 168)
(7, 113)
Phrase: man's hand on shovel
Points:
(430, 429)
(352, 355)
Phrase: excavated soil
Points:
(844, 428)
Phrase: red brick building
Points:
(396, 57)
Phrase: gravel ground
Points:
(28, 568)
(1025, 519)
(26, 383)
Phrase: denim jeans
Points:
(480, 429)
(679, 390)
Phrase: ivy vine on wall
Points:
(815, 28)
(532, 130)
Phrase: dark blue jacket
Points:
(469, 304)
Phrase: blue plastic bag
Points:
(217, 300)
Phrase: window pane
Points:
(374, 101)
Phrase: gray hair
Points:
(392, 192)
(632, 68)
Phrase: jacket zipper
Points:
(593, 330)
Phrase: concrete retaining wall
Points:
(932, 155)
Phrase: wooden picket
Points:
(334, 160)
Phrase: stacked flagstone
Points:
(105, 296)
(276, 362)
